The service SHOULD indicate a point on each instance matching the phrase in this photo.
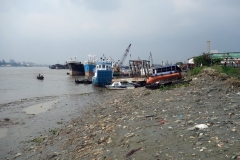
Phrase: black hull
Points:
(76, 69)
(84, 81)
(60, 66)
(40, 78)
(52, 67)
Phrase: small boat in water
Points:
(40, 77)
(83, 81)
(120, 85)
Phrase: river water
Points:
(30, 107)
(18, 83)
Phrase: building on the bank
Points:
(231, 58)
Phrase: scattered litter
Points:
(132, 151)
(200, 126)
(18, 154)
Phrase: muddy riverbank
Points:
(198, 121)
(22, 121)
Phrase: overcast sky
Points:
(53, 31)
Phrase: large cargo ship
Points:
(76, 68)
(90, 65)
(103, 73)
(60, 66)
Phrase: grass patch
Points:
(53, 131)
(147, 93)
(59, 122)
(39, 139)
(196, 70)
(229, 70)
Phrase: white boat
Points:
(123, 84)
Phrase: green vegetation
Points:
(147, 93)
(196, 70)
(39, 139)
(229, 70)
(53, 131)
(205, 60)
(179, 63)
(59, 122)
(216, 61)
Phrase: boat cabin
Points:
(103, 73)
(165, 70)
(104, 65)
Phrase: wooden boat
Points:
(40, 77)
(165, 77)
(83, 81)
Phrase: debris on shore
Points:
(198, 121)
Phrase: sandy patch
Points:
(3, 132)
(40, 108)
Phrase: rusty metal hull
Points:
(166, 77)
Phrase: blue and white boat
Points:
(165, 70)
(103, 72)
(90, 65)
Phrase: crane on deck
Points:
(119, 64)
(124, 56)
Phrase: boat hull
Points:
(52, 67)
(104, 77)
(89, 69)
(119, 87)
(166, 77)
(76, 69)
(59, 66)
(40, 78)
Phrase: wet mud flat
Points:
(23, 122)
(199, 121)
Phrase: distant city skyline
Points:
(12, 62)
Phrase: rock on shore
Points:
(198, 121)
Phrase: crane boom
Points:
(150, 58)
(124, 56)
